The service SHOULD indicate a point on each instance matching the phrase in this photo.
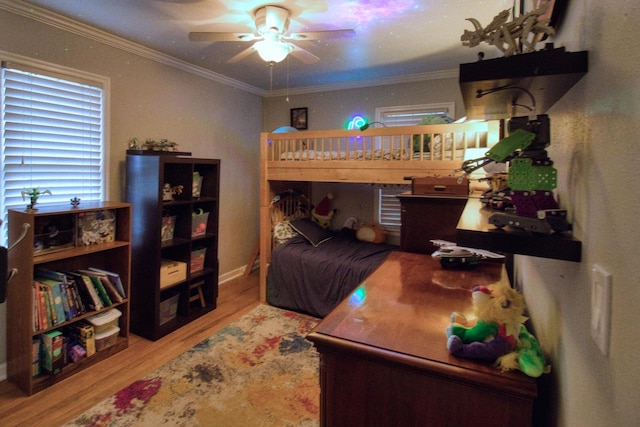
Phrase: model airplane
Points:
(454, 256)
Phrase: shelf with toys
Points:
(175, 239)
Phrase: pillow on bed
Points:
(282, 232)
(311, 231)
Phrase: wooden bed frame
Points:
(377, 155)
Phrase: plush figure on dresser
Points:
(323, 214)
(498, 334)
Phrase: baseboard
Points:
(3, 371)
(223, 278)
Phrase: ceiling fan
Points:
(272, 24)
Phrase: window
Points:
(386, 202)
(52, 128)
(410, 115)
(388, 212)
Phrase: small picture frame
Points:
(299, 118)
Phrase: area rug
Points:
(257, 371)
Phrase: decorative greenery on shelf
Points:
(150, 144)
(33, 194)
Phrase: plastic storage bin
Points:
(197, 259)
(107, 338)
(105, 321)
(199, 224)
(168, 226)
(169, 309)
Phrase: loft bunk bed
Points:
(388, 155)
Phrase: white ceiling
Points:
(394, 38)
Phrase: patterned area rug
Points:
(258, 371)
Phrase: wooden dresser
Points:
(428, 217)
(384, 360)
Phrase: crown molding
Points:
(61, 22)
(408, 78)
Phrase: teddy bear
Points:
(498, 334)
(323, 214)
(371, 233)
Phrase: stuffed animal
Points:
(323, 214)
(372, 233)
(498, 334)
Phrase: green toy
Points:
(527, 356)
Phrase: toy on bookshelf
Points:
(96, 227)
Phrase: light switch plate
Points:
(601, 307)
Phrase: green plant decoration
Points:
(152, 145)
(428, 120)
(33, 194)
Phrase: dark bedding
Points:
(314, 280)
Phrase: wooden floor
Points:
(64, 401)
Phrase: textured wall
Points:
(152, 100)
(594, 145)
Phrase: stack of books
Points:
(60, 296)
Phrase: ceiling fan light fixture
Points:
(273, 51)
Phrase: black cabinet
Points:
(175, 209)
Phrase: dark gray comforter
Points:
(314, 280)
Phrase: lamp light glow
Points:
(272, 50)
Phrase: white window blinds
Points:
(389, 206)
(52, 138)
(410, 115)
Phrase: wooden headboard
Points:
(289, 205)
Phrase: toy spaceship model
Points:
(453, 256)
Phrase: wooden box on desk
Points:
(440, 185)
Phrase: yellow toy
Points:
(498, 334)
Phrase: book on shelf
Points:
(56, 296)
(99, 285)
(55, 311)
(41, 315)
(47, 320)
(108, 284)
(87, 289)
(68, 314)
(35, 357)
(75, 297)
(115, 279)
(61, 281)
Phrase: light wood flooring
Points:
(69, 398)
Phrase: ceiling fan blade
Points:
(221, 37)
(303, 55)
(248, 51)
(322, 35)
